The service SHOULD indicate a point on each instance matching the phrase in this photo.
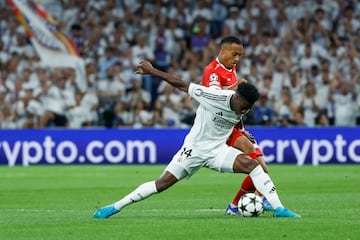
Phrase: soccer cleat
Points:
(232, 211)
(284, 212)
(105, 212)
(266, 205)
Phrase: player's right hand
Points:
(144, 67)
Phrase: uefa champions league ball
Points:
(250, 205)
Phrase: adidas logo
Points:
(273, 190)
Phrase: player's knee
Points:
(244, 164)
(161, 184)
(165, 181)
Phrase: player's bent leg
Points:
(264, 184)
(241, 164)
(232, 208)
(247, 186)
(240, 141)
(244, 164)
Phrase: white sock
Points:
(143, 191)
(263, 184)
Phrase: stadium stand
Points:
(304, 56)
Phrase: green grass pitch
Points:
(57, 202)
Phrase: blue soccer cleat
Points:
(266, 205)
(232, 211)
(105, 212)
(284, 212)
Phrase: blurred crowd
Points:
(304, 56)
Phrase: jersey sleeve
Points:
(210, 97)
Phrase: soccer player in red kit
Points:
(221, 74)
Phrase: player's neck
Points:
(222, 65)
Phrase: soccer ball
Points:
(250, 205)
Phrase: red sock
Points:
(246, 186)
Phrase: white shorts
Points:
(188, 161)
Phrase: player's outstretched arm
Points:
(145, 67)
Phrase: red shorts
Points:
(236, 133)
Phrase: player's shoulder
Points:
(198, 89)
(212, 90)
(213, 65)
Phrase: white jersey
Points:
(214, 120)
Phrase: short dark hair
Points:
(248, 91)
(230, 40)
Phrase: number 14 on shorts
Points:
(185, 154)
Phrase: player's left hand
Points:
(242, 80)
(144, 67)
(235, 86)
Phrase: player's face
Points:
(240, 105)
(230, 54)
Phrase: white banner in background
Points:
(54, 49)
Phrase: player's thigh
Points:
(224, 160)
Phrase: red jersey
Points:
(218, 76)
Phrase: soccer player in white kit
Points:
(205, 144)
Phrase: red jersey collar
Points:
(223, 66)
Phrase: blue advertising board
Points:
(297, 146)
(310, 145)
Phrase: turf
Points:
(57, 202)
